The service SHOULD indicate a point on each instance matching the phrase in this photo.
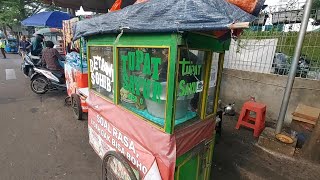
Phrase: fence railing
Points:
(268, 46)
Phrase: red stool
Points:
(246, 120)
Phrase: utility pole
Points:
(293, 69)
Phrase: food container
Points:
(158, 109)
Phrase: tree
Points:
(316, 4)
(12, 12)
(9, 14)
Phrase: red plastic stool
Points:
(246, 120)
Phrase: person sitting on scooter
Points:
(50, 58)
(37, 45)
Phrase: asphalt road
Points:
(39, 137)
(41, 140)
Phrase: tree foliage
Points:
(12, 12)
(316, 4)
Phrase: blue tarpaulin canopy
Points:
(51, 19)
(166, 16)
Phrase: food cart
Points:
(154, 80)
(76, 71)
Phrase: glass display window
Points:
(190, 84)
(101, 70)
(143, 81)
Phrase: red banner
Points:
(104, 137)
(154, 149)
(148, 149)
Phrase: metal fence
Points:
(268, 46)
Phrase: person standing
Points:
(24, 46)
(37, 45)
(2, 46)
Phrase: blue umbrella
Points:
(51, 19)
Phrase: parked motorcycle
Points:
(303, 67)
(44, 80)
(29, 63)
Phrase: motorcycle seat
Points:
(34, 57)
(57, 74)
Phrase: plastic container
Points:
(158, 109)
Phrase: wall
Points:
(237, 86)
(255, 55)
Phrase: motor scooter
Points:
(29, 63)
(43, 80)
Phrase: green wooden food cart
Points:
(154, 87)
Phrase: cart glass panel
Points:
(211, 97)
(101, 70)
(190, 84)
(142, 81)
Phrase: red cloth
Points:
(116, 6)
(246, 5)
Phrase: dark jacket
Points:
(23, 45)
(36, 46)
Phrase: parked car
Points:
(11, 46)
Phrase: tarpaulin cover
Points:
(100, 6)
(166, 16)
(51, 19)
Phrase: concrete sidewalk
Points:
(237, 156)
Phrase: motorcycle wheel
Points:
(39, 85)
(115, 166)
(76, 106)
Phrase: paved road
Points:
(39, 138)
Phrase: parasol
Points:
(51, 19)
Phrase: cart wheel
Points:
(76, 106)
(115, 166)
(67, 101)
